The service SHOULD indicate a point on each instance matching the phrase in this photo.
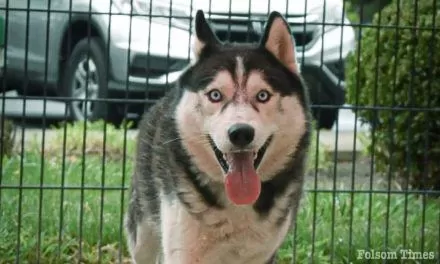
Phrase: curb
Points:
(345, 144)
(347, 148)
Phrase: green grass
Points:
(80, 170)
(351, 216)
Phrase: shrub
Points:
(351, 12)
(362, 11)
(397, 66)
(7, 133)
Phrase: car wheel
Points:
(85, 77)
(326, 117)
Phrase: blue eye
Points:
(215, 96)
(263, 96)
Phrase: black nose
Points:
(241, 134)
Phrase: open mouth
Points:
(222, 157)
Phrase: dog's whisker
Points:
(171, 141)
(198, 138)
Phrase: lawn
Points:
(63, 226)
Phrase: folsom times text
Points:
(401, 254)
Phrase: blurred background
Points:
(138, 48)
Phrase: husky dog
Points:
(221, 157)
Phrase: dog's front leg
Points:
(180, 239)
(146, 250)
(273, 259)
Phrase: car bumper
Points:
(335, 44)
(328, 53)
(323, 65)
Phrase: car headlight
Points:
(159, 11)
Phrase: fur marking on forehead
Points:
(240, 71)
(240, 93)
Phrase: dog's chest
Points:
(232, 235)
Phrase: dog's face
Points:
(243, 109)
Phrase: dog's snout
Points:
(241, 134)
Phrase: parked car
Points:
(114, 49)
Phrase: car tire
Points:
(86, 74)
(326, 117)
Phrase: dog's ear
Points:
(204, 36)
(277, 39)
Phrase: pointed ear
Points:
(277, 39)
(204, 37)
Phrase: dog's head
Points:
(243, 109)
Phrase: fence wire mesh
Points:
(77, 76)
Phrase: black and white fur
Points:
(178, 212)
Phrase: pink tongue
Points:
(242, 182)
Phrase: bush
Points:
(362, 11)
(351, 12)
(398, 65)
(7, 133)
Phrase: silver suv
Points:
(137, 48)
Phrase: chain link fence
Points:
(76, 77)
